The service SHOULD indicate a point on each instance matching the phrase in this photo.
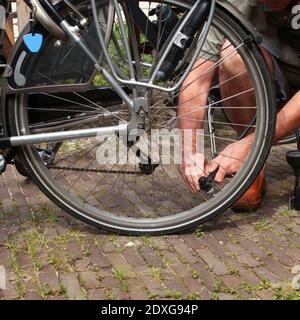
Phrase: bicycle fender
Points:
(241, 19)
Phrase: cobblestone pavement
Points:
(49, 255)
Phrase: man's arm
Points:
(288, 120)
(192, 113)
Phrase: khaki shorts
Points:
(285, 53)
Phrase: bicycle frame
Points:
(113, 78)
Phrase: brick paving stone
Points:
(108, 246)
(249, 277)
(62, 227)
(56, 298)
(294, 227)
(226, 296)
(279, 253)
(294, 252)
(194, 242)
(166, 274)
(160, 244)
(233, 265)
(176, 264)
(184, 250)
(3, 233)
(276, 268)
(118, 262)
(11, 291)
(232, 247)
(49, 231)
(24, 260)
(104, 272)
(243, 255)
(32, 290)
(195, 286)
(4, 256)
(32, 295)
(98, 258)
(264, 273)
(265, 294)
(231, 281)
(74, 250)
(133, 258)
(73, 288)
(109, 282)
(244, 295)
(252, 247)
(90, 279)
(221, 232)
(207, 278)
(96, 294)
(137, 289)
(176, 286)
(216, 246)
(150, 256)
(82, 264)
(213, 262)
(154, 286)
(48, 277)
(119, 294)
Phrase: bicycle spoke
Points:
(134, 186)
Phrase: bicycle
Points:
(144, 51)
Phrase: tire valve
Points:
(206, 183)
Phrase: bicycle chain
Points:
(95, 170)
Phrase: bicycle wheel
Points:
(288, 140)
(291, 138)
(150, 198)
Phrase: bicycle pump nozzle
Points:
(206, 183)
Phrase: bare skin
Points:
(192, 102)
(192, 112)
(288, 119)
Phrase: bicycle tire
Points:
(17, 112)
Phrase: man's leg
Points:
(236, 82)
(239, 104)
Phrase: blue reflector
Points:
(33, 41)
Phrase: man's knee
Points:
(200, 78)
(232, 63)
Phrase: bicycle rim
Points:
(156, 203)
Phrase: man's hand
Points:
(230, 160)
(192, 169)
